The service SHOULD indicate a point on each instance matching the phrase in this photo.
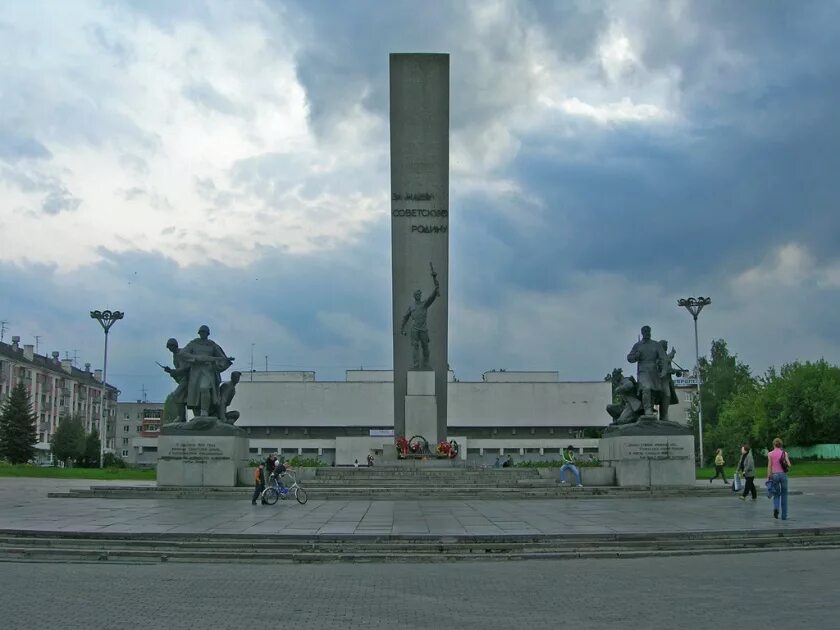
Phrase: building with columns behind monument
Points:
(528, 415)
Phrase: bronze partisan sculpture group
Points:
(197, 369)
(653, 384)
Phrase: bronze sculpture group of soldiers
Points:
(197, 369)
(653, 384)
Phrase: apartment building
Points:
(57, 390)
(138, 426)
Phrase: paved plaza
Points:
(24, 506)
(725, 590)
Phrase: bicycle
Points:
(275, 491)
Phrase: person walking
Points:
(778, 464)
(719, 466)
(747, 468)
(568, 456)
(259, 484)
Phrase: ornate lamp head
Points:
(694, 304)
(107, 318)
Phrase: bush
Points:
(112, 461)
(305, 462)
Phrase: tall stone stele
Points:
(420, 238)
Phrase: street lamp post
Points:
(106, 320)
(694, 306)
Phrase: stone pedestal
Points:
(421, 406)
(649, 460)
(208, 456)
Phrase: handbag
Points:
(783, 462)
(736, 482)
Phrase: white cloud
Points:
(788, 266)
(249, 104)
(622, 112)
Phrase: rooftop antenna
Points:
(143, 390)
(252, 361)
(37, 342)
(3, 329)
(266, 363)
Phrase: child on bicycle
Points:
(277, 474)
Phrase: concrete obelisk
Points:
(420, 222)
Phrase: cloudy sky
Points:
(227, 163)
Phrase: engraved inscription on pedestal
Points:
(196, 453)
(200, 460)
(655, 460)
(656, 450)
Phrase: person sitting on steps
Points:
(568, 456)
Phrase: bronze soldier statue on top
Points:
(206, 361)
(197, 368)
(653, 385)
(417, 313)
(650, 358)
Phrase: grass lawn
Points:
(107, 474)
(827, 468)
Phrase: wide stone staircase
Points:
(145, 548)
(407, 481)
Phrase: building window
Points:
(126, 428)
(125, 453)
(125, 441)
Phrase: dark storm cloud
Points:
(284, 304)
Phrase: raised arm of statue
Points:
(633, 356)
(432, 297)
(436, 292)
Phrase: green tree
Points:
(742, 419)
(722, 377)
(92, 445)
(800, 403)
(803, 403)
(68, 442)
(18, 434)
(614, 379)
(170, 410)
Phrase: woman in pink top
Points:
(778, 463)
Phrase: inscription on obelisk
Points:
(420, 224)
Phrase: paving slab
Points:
(24, 506)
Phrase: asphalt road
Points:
(794, 589)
